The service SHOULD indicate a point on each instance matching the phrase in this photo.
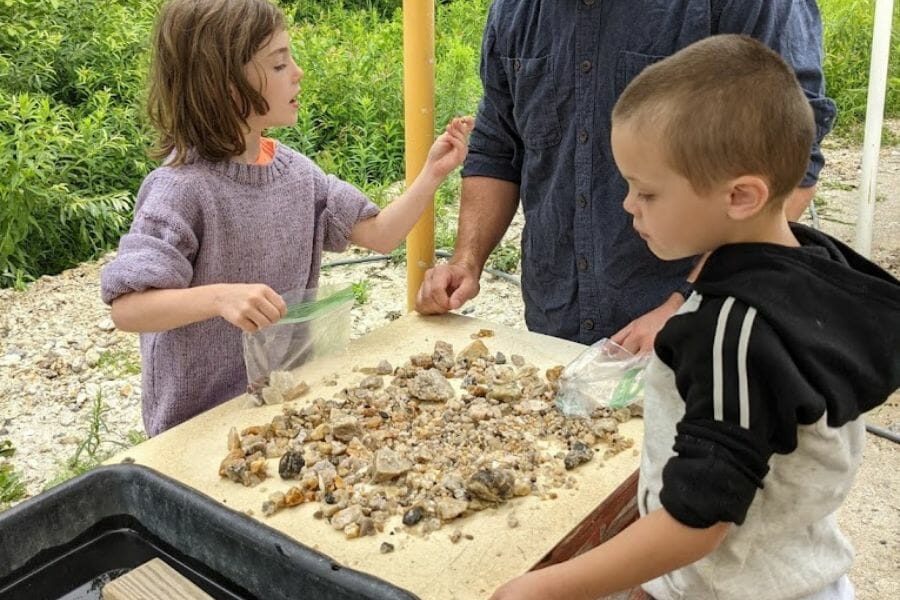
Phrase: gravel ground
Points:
(59, 351)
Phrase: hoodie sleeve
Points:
(743, 400)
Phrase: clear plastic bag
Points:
(604, 375)
(317, 323)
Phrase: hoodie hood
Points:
(837, 313)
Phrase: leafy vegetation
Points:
(73, 137)
(11, 486)
(96, 445)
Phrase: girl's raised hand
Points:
(449, 150)
(249, 306)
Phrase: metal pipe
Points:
(418, 107)
(878, 70)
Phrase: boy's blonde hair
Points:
(199, 98)
(724, 107)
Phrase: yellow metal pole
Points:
(418, 103)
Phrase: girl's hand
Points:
(249, 306)
(449, 150)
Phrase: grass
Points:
(119, 362)
(848, 42)
(361, 291)
(97, 444)
(505, 257)
(11, 486)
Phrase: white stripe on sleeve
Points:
(718, 385)
(743, 389)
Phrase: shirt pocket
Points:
(629, 65)
(533, 90)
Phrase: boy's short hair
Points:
(199, 98)
(725, 106)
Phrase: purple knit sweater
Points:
(204, 223)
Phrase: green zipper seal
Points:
(300, 312)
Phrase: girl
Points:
(232, 219)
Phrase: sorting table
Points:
(431, 566)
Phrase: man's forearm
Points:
(486, 208)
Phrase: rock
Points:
(388, 465)
(372, 382)
(91, 358)
(509, 392)
(106, 324)
(346, 428)
(578, 455)
(450, 508)
(443, 357)
(476, 349)
(10, 360)
(430, 385)
(343, 518)
(384, 368)
(386, 548)
(493, 485)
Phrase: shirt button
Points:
(588, 2)
(583, 136)
(582, 201)
(585, 66)
(582, 264)
(588, 324)
(517, 65)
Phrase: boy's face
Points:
(279, 83)
(674, 220)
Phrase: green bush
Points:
(71, 141)
(848, 43)
(73, 137)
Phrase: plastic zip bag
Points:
(317, 323)
(606, 375)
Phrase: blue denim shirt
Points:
(552, 71)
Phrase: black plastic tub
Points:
(71, 540)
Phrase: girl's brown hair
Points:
(199, 98)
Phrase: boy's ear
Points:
(749, 195)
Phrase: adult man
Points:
(552, 70)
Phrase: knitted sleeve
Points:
(344, 207)
(159, 249)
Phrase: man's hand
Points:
(638, 336)
(447, 287)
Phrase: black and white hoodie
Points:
(751, 412)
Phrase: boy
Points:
(760, 378)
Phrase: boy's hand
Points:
(530, 586)
(249, 306)
(449, 150)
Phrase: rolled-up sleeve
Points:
(495, 148)
(793, 28)
(158, 250)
